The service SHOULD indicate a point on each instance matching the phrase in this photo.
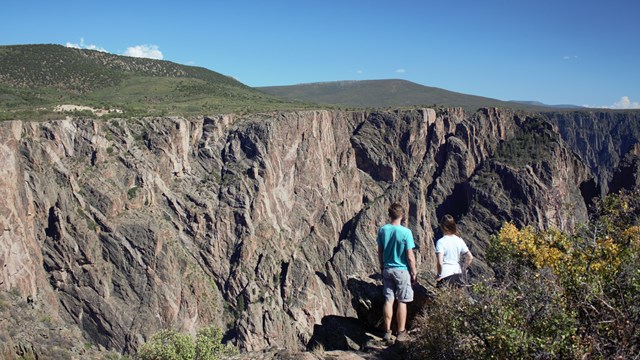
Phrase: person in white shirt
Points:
(450, 249)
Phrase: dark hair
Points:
(448, 225)
(395, 211)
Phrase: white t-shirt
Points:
(451, 247)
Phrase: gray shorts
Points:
(397, 285)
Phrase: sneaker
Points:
(402, 336)
(387, 336)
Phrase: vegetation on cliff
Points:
(554, 295)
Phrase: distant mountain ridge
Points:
(538, 103)
(391, 93)
(36, 78)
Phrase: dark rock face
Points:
(627, 175)
(265, 225)
(601, 138)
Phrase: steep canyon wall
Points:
(257, 224)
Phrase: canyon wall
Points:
(261, 224)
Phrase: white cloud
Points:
(191, 62)
(625, 103)
(359, 71)
(145, 51)
(82, 45)
(568, 57)
(401, 71)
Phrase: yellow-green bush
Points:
(554, 296)
(172, 345)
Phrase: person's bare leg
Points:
(388, 314)
(401, 315)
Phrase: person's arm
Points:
(440, 257)
(468, 259)
(380, 242)
(411, 259)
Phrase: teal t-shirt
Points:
(395, 240)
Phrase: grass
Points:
(90, 223)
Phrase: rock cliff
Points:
(264, 225)
(602, 139)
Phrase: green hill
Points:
(386, 93)
(36, 78)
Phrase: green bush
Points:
(526, 320)
(209, 345)
(171, 345)
(168, 345)
(131, 193)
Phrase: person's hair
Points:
(395, 211)
(448, 224)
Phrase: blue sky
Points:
(578, 52)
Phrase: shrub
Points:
(209, 345)
(132, 192)
(171, 345)
(554, 295)
(168, 345)
(526, 320)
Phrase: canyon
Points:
(265, 224)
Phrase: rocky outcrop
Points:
(259, 224)
(532, 179)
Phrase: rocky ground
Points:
(265, 225)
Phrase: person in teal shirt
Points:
(398, 267)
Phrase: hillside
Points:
(388, 93)
(36, 78)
